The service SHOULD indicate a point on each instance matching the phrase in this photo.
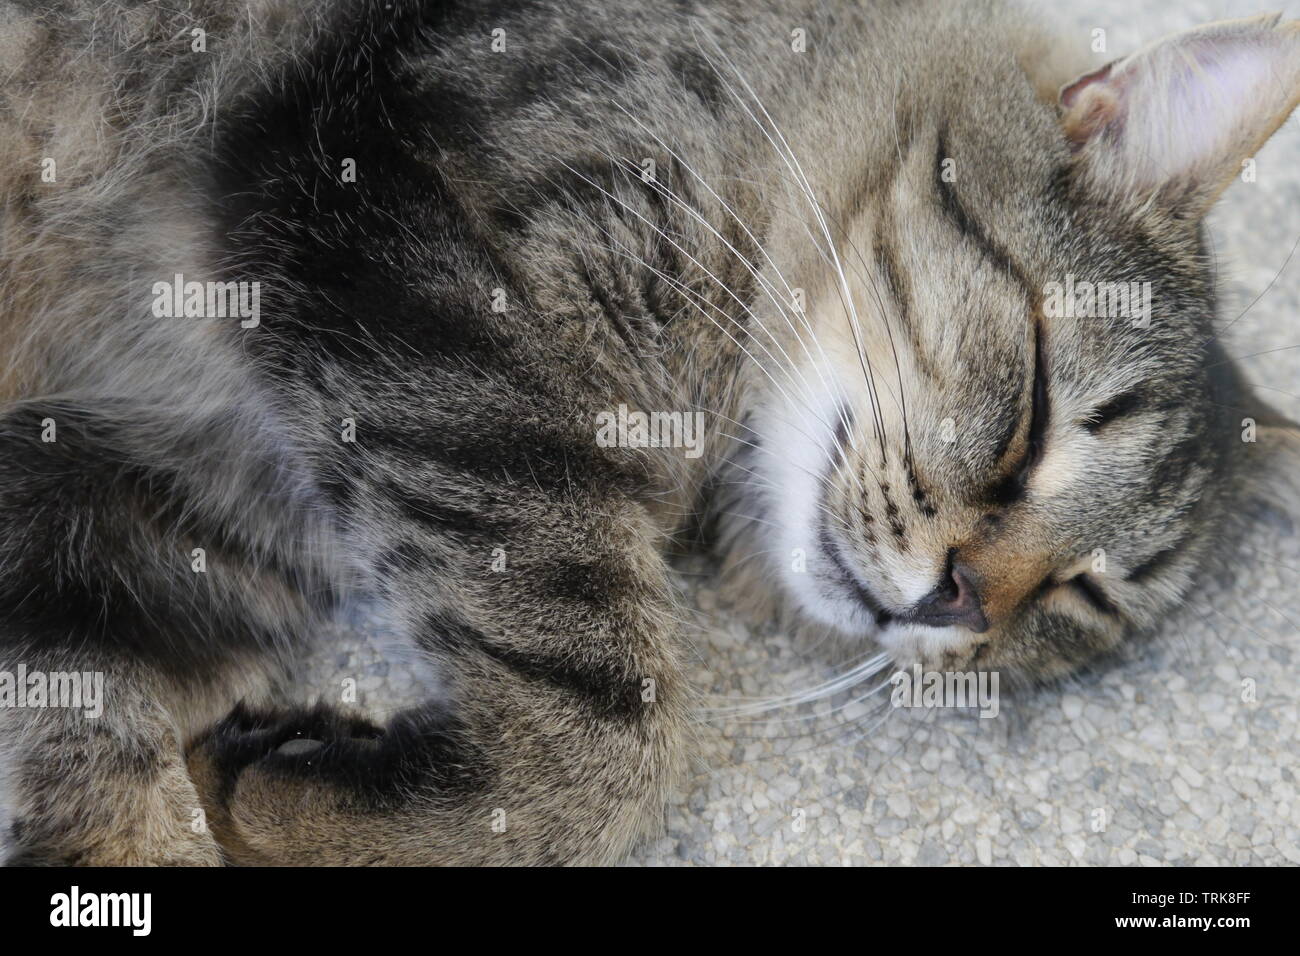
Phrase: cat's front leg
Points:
(96, 781)
(559, 736)
(131, 617)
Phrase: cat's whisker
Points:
(757, 275)
(691, 295)
(748, 232)
(820, 728)
(898, 401)
(756, 479)
(844, 736)
(1238, 358)
(760, 279)
(1271, 560)
(1271, 388)
(682, 289)
(829, 514)
(754, 554)
(869, 280)
(865, 273)
(848, 680)
(749, 517)
(1240, 623)
(768, 289)
(792, 162)
(768, 451)
(780, 419)
(1280, 613)
(1286, 262)
(720, 284)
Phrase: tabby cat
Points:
(308, 306)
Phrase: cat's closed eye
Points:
(1112, 409)
(1012, 486)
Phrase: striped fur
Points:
(504, 267)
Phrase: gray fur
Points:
(562, 722)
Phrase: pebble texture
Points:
(1164, 758)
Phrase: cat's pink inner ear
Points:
(1070, 92)
(1176, 119)
(1089, 104)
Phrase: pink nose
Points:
(954, 602)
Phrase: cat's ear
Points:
(1174, 122)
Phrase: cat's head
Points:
(1012, 449)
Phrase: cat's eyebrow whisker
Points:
(768, 289)
(789, 371)
(792, 163)
(762, 280)
(691, 296)
(793, 369)
(727, 207)
(779, 418)
(720, 284)
(864, 272)
(850, 310)
(758, 277)
(870, 282)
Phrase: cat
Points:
(371, 302)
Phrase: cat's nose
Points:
(954, 602)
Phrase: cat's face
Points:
(1007, 453)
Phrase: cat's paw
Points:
(271, 781)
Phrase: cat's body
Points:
(505, 266)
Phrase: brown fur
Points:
(561, 720)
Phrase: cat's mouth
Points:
(850, 580)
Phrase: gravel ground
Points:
(1159, 760)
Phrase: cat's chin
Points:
(823, 602)
(850, 620)
(933, 648)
